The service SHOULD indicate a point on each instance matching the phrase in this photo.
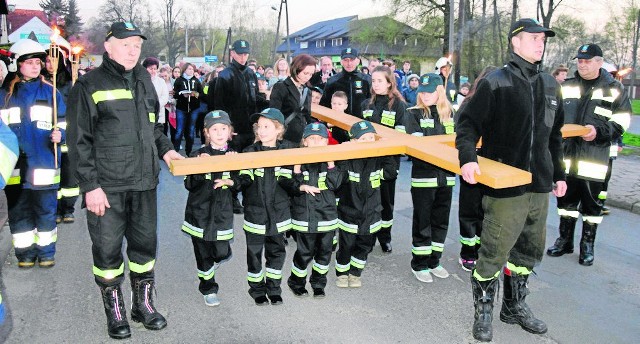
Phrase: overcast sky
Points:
(302, 13)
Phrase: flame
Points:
(56, 34)
(623, 72)
(76, 50)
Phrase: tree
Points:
(54, 7)
(172, 40)
(547, 13)
(73, 22)
(421, 11)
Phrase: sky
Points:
(301, 14)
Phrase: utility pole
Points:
(275, 40)
(635, 54)
(286, 7)
(186, 41)
(457, 55)
(451, 18)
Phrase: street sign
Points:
(210, 58)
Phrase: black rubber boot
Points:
(586, 243)
(117, 324)
(514, 308)
(142, 309)
(483, 295)
(564, 244)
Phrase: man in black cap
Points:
(595, 99)
(356, 85)
(517, 110)
(114, 139)
(236, 92)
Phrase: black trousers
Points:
(470, 216)
(582, 195)
(133, 215)
(208, 253)
(316, 247)
(353, 250)
(265, 281)
(68, 187)
(388, 195)
(431, 208)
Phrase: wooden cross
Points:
(438, 150)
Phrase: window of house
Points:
(320, 43)
(395, 40)
(405, 41)
(415, 42)
(304, 45)
(297, 39)
(336, 42)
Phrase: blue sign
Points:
(210, 58)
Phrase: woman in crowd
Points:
(281, 71)
(186, 90)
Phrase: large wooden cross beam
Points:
(438, 150)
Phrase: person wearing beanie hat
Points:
(267, 213)
(518, 112)
(209, 210)
(27, 108)
(115, 161)
(410, 93)
(314, 216)
(431, 186)
(386, 107)
(594, 99)
(359, 215)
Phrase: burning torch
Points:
(75, 63)
(54, 58)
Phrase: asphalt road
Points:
(598, 304)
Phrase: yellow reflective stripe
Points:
(598, 94)
(592, 170)
(570, 213)
(192, 230)
(348, 227)
(571, 92)
(62, 125)
(255, 277)
(101, 96)
(421, 250)
(41, 113)
(519, 270)
(602, 195)
(207, 275)
(70, 192)
(47, 238)
(437, 247)
(284, 225)
(25, 239)
(10, 115)
(622, 118)
(567, 164)
(424, 182)
(321, 269)
(358, 263)
(108, 274)
(205, 89)
(342, 268)
(593, 219)
(598, 110)
(354, 177)
(46, 176)
(64, 148)
(613, 150)
(224, 235)
(15, 177)
(274, 274)
(141, 268)
(477, 276)
(247, 172)
(254, 228)
(152, 117)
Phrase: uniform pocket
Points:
(550, 110)
(115, 165)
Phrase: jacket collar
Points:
(604, 77)
(114, 67)
(238, 66)
(526, 69)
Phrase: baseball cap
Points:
(317, 89)
(215, 117)
(588, 51)
(529, 25)
(429, 83)
(443, 61)
(240, 46)
(121, 30)
(360, 128)
(270, 113)
(349, 53)
(260, 76)
(315, 129)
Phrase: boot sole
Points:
(149, 327)
(119, 336)
(559, 254)
(583, 263)
(515, 322)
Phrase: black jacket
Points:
(113, 134)
(286, 98)
(357, 86)
(316, 79)
(265, 194)
(517, 110)
(606, 106)
(209, 211)
(315, 214)
(380, 112)
(236, 92)
(424, 174)
(360, 206)
(183, 85)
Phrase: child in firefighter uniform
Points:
(26, 103)
(387, 107)
(431, 186)
(266, 210)
(208, 216)
(359, 209)
(314, 215)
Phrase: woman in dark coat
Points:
(293, 98)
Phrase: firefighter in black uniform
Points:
(114, 144)
(596, 100)
(356, 85)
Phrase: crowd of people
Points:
(123, 116)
